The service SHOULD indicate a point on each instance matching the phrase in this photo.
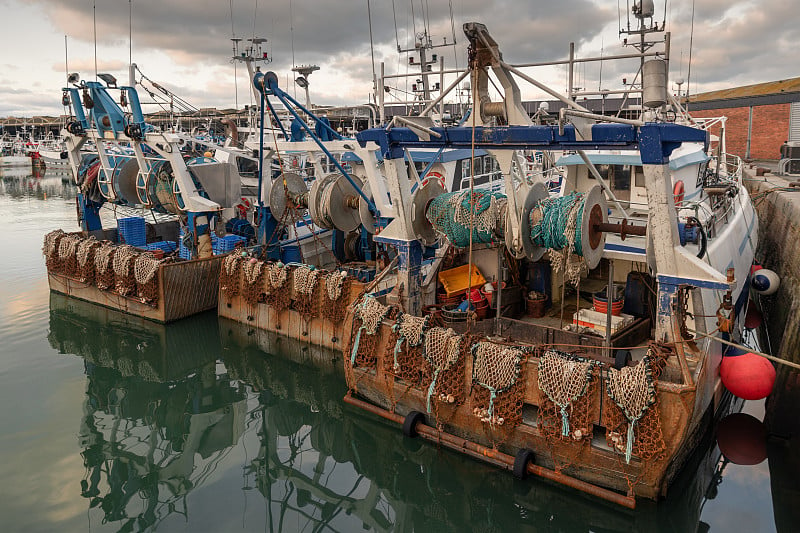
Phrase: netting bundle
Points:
(556, 225)
(452, 214)
(337, 285)
(499, 389)
(566, 381)
(85, 259)
(444, 352)
(632, 421)
(103, 270)
(230, 274)
(253, 286)
(123, 263)
(407, 364)
(145, 268)
(304, 284)
(278, 294)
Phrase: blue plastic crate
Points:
(132, 231)
(166, 246)
(226, 244)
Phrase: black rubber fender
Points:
(410, 423)
(524, 456)
(621, 359)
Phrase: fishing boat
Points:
(635, 272)
(162, 270)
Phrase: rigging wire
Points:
(372, 53)
(396, 36)
(689, 71)
(235, 76)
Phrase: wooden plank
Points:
(90, 293)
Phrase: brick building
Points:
(761, 117)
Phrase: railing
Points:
(783, 166)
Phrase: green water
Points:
(112, 424)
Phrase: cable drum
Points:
(336, 203)
(286, 189)
(566, 224)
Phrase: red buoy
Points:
(753, 317)
(748, 376)
(742, 439)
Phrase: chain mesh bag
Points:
(632, 420)
(50, 250)
(67, 248)
(230, 274)
(497, 373)
(145, 268)
(278, 295)
(565, 380)
(408, 364)
(444, 353)
(103, 267)
(368, 315)
(305, 280)
(124, 280)
(253, 284)
(85, 259)
(337, 285)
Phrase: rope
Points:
(466, 217)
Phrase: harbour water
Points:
(112, 424)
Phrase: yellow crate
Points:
(457, 280)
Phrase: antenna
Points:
(94, 25)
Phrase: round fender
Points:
(523, 457)
(410, 423)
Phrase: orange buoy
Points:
(677, 191)
(742, 439)
(748, 376)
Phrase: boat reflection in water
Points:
(36, 183)
(161, 412)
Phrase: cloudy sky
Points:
(185, 44)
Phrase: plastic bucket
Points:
(535, 306)
(601, 304)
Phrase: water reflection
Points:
(38, 184)
(161, 414)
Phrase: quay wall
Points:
(779, 250)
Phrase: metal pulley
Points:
(334, 203)
(420, 200)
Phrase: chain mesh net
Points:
(403, 357)
(253, 283)
(566, 383)
(337, 286)
(497, 391)
(445, 352)
(67, 248)
(633, 424)
(85, 259)
(103, 270)
(123, 263)
(50, 249)
(145, 268)
(278, 295)
(230, 274)
(305, 281)
(367, 318)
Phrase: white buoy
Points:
(765, 281)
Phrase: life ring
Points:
(243, 207)
(433, 175)
(677, 191)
